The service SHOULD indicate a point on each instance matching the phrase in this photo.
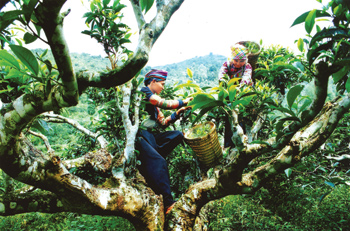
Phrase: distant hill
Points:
(81, 61)
(205, 68)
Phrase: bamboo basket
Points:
(252, 56)
(207, 147)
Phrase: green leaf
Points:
(347, 85)
(17, 76)
(246, 100)
(232, 93)
(48, 87)
(313, 53)
(28, 9)
(207, 108)
(285, 110)
(279, 136)
(38, 29)
(222, 94)
(9, 59)
(301, 45)
(344, 62)
(323, 196)
(29, 38)
(260, 142)
(200, 100)
(178, 87)
(6, 18)
(41, 125)
(288, 172)
(306, 103)
(290, 118)
(233, 82)
(293, 93)
(26, 57)
(330, 184)
(340, 74)
(334, 33)
(105, 3)
(302, 18)
(189, 73)
(338, 10)
(115, 3)
(279, 126)
(310, 21)
(146, 5)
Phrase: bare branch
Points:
(130, 130)
(61, 119)
(256, 127)
(45, 139)
(238, 137)
(138, 13)
(339, 158)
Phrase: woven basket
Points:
(207, 147)
(252, 57)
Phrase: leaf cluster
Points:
(22, 73)
(331, 44)
(106, 27)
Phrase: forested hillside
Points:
(205, 68)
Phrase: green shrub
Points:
(63, 221)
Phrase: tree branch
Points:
(303, 143)
(129, 157)
(138, 13)
(61, 119)
(49, 17)
(16, 203)
(44, 138)
(339, 158)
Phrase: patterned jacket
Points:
(244, 72)
(154, 105)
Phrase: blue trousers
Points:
(153, 149)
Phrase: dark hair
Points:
(149, 80)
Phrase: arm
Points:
(223, 71)
(168, 120)
(247, 75)
(157, 101)
(165, 104)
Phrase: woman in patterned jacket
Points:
(236, 66)
(155, 146)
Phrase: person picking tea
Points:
(154, 146)
(237, 65)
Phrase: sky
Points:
(201, 27)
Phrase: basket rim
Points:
(213, 127)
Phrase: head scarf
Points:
(158, 75)
(238, 52)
